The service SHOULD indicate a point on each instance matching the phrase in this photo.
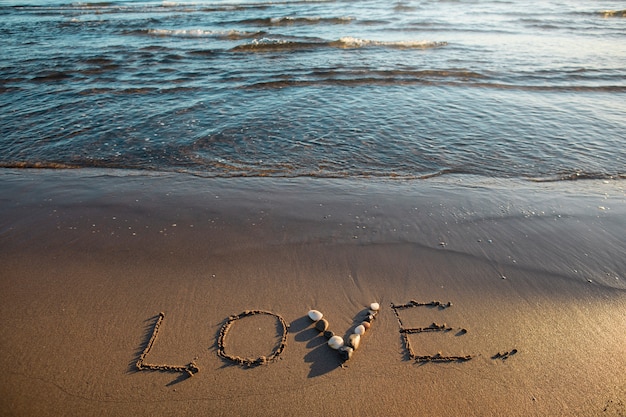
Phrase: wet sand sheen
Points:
(533, 274)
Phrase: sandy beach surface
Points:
(92, 261)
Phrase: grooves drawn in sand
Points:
(251, 362)
(353, 340)
(191, 368)
(434, 327)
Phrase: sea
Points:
(411, 89)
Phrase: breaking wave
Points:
(199, 33)
(273, 44)
(350, 43)
(296, 20)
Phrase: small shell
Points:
(335, 342)
(315, 315)
(360, 329)
(374, 306)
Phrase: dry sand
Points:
(90, 258)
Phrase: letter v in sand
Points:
(346, 347)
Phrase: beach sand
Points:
(535, 274)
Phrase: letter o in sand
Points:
(282, 329)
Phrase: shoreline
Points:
(89, 258)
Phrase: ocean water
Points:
(530, 89)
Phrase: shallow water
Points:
(527, 89)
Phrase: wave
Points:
(93, 4)
(403, 7)
(197, 33)
(51, 76)
(613, 13)
(273, 44)
(579, 175)
(38, 165)
(349, 42)
(124, 7)
(225, 170)
(98, 91)
(451, 77)
(296, 20)
(182, 6)
(430, 82)
(373, 77)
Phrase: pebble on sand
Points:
(345, 353)
(374, 306)
(360, 329)
(354, 340)
(335, 342)
(315, 315)
(322, 325)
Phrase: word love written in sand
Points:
(345, 348)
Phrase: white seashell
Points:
(335, 342)
(315, 315)
(360, 329)
(375, 306)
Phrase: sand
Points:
(498, 297)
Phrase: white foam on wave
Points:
(199, 33)
(275, 20)
(309, 19)
(269, 41)
(191, 33)
(273, 44)
(349, 42)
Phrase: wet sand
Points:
(498, 297)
